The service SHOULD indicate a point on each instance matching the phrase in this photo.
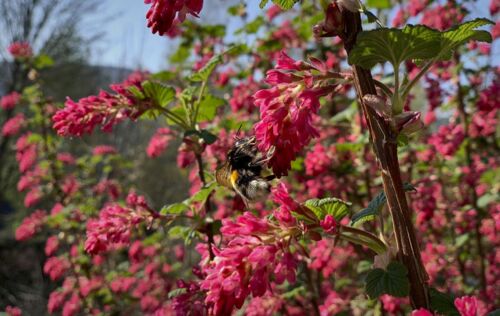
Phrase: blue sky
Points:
(127, 42)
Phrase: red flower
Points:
(13, 125)
(159, 142)
(105, 109)
(104, 150)
(20, 50)
(162, 13)
(51, 245)
(9, 101)
(287, 111)
(329, 224)
(30, 225)
(55, 267)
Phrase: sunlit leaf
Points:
(393, 281)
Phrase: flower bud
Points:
(408, 122)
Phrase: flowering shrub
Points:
(370, 207)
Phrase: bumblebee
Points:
(243, 171)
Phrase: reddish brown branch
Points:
(385, 146)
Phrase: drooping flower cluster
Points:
(106, 109)
(31, 225)
(9, 101)
(245, 266)
(14, 125)
(288, 109)
(159, 142)
(162, 13)
(20, 50)
(113, 227)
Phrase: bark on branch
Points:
(385, 146)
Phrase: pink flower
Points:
(333, 304)
(273, 11)
(106, 109)
(72, 306)
(32, 197)
(9, 101)
(13, 311)
(159, 142)
(447, 139)
(287, 111)
(29, 180)
(329, 224)
(66, 158)
(20, 50)
(122, 284)
(286, 204)
(104, 150)
(13, 125)
(162, 13)
(51, 245)
(70, 185)
(317, 161)
(421, 312)
(113, 227)
(466, 305)
(242, 96)
(56, 267)
(30, 225)
(26, 157)
(56, 301)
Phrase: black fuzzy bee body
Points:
(243, 171)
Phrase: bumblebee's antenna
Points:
(237, 137)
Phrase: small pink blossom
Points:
(51, 245)
(56, 267)
(13, 311)
(467, 305)
(159, 142)
(32, 197)
(286, 204)
(66, 158)
(421, 312)
(329, 224)
(102, 150)
(13, 125)
(162, 13)
(56, 301)
(72, 306)
(9, 101)
(30, 225)
(20, 50)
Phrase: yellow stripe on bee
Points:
(234, 177)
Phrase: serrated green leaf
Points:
(443, 303)
(395, 45)
(328, 206)
(393, 281)
(158, 92)
(285, 4)
(175, 208)
(136, 92)
(375, 206)
(263, 3)
(463, 33)
(208, 107)
(176, 292)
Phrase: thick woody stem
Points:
(385, 146)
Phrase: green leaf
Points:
(375, 206)
(496, 312)
(176, 292)
(43, 61)
(395, 45)
(413, 42)
(176, 208)
(463, 33)
(136, 92)
(253, 26)
(206, 71)
(263, 3)
(202, 195)
(181, 54)
(164, 75)
(392, 281)
(160, 93)
(284, 4)
(461, 240)
(179, 232)
(328, 206)
(208, 107)
(379, 4)
(443, 303)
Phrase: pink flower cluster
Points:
(159, 142)
(13, 125)
(20, 50)
(31, 225)
(113, 227)
(162, 13)
(246, 265)
(447, 139)
(106, 109)
(288, 109)
(9, 101)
